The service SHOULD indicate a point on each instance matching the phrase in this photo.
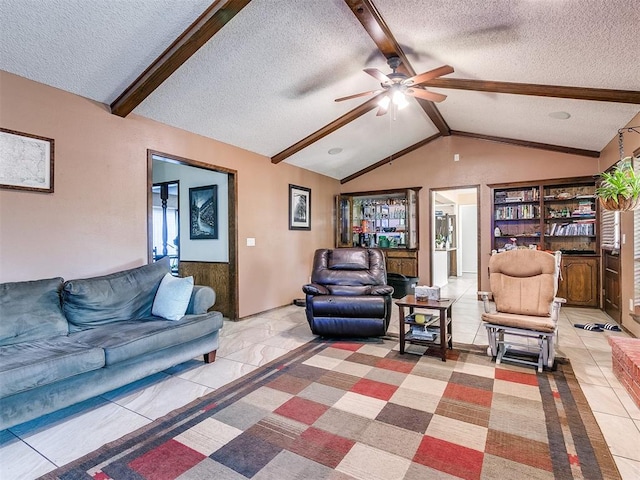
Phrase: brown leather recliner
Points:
(349, 295)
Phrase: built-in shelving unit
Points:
(386, 219)
(560, 214)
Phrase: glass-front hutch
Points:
(386, 219)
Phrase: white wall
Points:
(468, 233)
(199, 250)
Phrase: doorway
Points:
(454, 234)
(210, 257)
(166, 222)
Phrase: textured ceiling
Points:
(268, 78)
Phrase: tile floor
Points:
(34, 448)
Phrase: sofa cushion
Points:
(121, 296)
(31, 311)
(172, 298)
(32, 364)
(135, 338)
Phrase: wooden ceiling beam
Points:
(525, 143)
(509, 141)
(577, 93)
(368, 15)
(390, 158)
(327, 129)
(199, 32)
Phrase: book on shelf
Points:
(421, 332)
(577, 228)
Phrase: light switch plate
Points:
(251, 242)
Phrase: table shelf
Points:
(440, 323)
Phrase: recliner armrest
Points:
(381, 290)
(315, 289)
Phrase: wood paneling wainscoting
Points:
(216, 275)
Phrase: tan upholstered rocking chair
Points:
(523, 285)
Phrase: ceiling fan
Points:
(395, 86)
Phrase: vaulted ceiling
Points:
(263, 74)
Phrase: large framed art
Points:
(26, 161)
(203, 213)
(299, 208)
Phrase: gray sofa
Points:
(64, 342)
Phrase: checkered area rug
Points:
(360, 410)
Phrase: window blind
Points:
(636, 244)
(609, 229)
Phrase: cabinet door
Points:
(344, 235)
(579, 283)
(394, 265)
(412, 218)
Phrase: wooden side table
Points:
(445, 338)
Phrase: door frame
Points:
(432, 192)
(233, 215)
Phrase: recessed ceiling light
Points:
(560, 115)
(335, 151)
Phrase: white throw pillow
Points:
(172, 297)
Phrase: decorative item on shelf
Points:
(619, 189)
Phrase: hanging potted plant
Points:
(620, 188)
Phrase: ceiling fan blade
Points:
(377, 74)
(431, 74)
(363, 94)
(425, 94)
(382, 110)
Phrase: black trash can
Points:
(402, 285)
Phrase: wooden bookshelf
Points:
(557, 214)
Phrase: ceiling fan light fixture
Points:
(400, 100)
(384, 102)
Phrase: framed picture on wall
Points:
(203, 213)
(26, 161)
(299, 208)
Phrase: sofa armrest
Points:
(202, 299)
(315, 289)
(381, 290)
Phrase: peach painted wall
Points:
(481, 163)
(608, 157)
(96, 220)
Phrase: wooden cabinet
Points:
(579, 282)
(558, 214)
(386, 219)
(404, 262)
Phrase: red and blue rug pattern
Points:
(360, 410)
